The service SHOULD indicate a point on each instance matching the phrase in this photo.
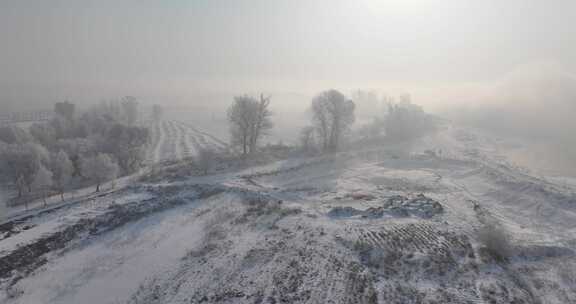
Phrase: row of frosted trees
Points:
(73, 150)
(250, 120)
(332, 118)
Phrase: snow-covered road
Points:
(111, 267)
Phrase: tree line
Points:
(107, 140)
(73, 149)
(331, 120)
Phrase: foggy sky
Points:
(441, 51)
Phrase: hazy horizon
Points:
(504, 66)
(441, 52)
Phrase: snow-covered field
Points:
(175, 140)
(364, 226)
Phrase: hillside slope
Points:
(366, 226)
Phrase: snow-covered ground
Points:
(363, 226)
(175, 140)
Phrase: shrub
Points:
(496, 241)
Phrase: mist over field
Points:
(485, 57)
(298, 151)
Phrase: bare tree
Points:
(43, 182)
(99, 169)
(249, 119)
(262, 122)
(333, 115)
(239, 117)
(62, 169)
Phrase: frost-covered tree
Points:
(102, 129)
(62, 169)
(128, 145)
(117, 111)
(100, 118)
(42, 182)
(240, 119)
(20, 162)
(38, 156)
(75, 148)
(407, 121)
(99, 169)
(250, 120)
(44, 134)
(332, 116)
(14, 135)
(262, 122)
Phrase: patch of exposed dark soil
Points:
(12, 228)
(396, 206)
(339, 212)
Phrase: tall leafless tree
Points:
(333, 115)
(250, 120)
(262, 122)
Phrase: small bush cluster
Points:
(495, 241)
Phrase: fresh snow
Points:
(265, 234)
